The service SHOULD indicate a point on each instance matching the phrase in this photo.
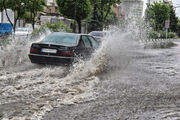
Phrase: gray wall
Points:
(4, 18)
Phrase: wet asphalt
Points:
(145, 86)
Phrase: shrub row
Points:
(161, 34)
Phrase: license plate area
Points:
(46, 50)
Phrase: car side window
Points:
(81, 44)
(95, 44)
(86, 41)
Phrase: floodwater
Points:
(121, 81)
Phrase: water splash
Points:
(16, 51)
(41, 89)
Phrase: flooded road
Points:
(121, 81)
(144, 86)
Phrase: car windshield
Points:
(62, 39)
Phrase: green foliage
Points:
(75, 9)
(58, 27)
(24, 9)
(32, 8)
(95, 25)
(52, 27)
(15, 5)
(173, 20)
(161, 35)
(153, 34)
(171, 35)
(100, 15)
(156, 14)
(18, 6)
(111, 19)
(178, 28)
(27, 17)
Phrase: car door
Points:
(87, 44)
(94, 42)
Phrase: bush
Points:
(154, 35)
(162, 34)
(52, 27)
(171, 35)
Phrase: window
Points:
(81, 44)
(95, 44)
(86, 42)
(62, 39)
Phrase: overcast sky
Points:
(175, 3)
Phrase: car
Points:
(99, 35)
(62, 48)
(5, 29)
(23, 31)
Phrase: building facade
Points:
(52, 7)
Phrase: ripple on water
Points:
(163, 113)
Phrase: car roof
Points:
(70, 33)
(100, 31)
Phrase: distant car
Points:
(99, 35)
(62, 48)
(5, 29)
(23, 31)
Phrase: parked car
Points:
(22, 31)
(5, 29)
(61, 48)
(99, 35)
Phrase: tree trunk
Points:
(6, 13)
(33, 21)
(79, 25)
(31, 17)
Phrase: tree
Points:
(75, 9)
(18, 6)
(173, 20)
(33, 7)
(101, 10)
(157, 14)
(178, 28)
(111, 19)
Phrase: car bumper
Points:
(47, 59)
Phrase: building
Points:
(3, 17)
(51, 8)
(117, 9)
(129, 8)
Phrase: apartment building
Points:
(52, 7)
